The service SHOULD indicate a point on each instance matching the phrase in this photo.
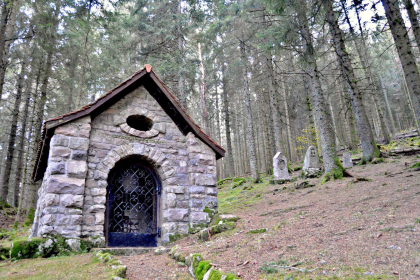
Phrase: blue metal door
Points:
(132, 202)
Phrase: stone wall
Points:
(59, 207)
(186, 168)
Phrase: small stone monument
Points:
(311, 165)
(281, 172)
(347, 162)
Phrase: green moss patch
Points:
(29, 218)
(261, 230)
(222, 227)
(335, 173)
(416, 165)
(201, 270)
(176, 237)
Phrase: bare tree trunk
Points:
(181, 92)
(84, 59)
(250, 129)
(21, 166)
(370, 150)
(290, 151)
(412, 14)
(220, 169)
(227, 123)
(391, 119)
(203, 92)
(12, 136)
(323, 118)
(6, 9)
(365, 59)
(32, 190)
(402, 42)
(19, 171)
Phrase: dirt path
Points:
(340, 229)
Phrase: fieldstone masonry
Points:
(72, 197)
(59, 209)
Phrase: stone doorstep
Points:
(132, 251)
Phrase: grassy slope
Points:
(72, 267)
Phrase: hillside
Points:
(348, 228)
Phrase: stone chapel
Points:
(130, 169)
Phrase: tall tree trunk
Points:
(390, 117)
(84, 59)
(227, 123)
(370, 150)
(38, 126)
(220, 169)
(250, 129)
(402, 42)
(32, 188)
(412, 14)
(365, 59)
(12, 136)
(203, 92)
(21, 166)
(181, 91)
(290, 150)
(332, 167)
(6, 8)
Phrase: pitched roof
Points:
(154, 86)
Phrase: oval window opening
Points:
(140, 122)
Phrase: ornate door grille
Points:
(132, 205)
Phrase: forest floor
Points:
(345, 229)
(365, 227)
(7, 218)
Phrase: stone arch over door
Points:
(164, 167)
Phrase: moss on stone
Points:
(230, 276)
(195, 261)
(201, 270)
(120, 271)
(196, 228)
(209, 211)
(215, 275)
(222, 227)
(238, 181)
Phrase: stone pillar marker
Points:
(311, 159)
(311, 164)
(347, 162)
(280, 170)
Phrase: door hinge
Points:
(159, 233)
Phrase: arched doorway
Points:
(133, 198)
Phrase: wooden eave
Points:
(154, 86)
